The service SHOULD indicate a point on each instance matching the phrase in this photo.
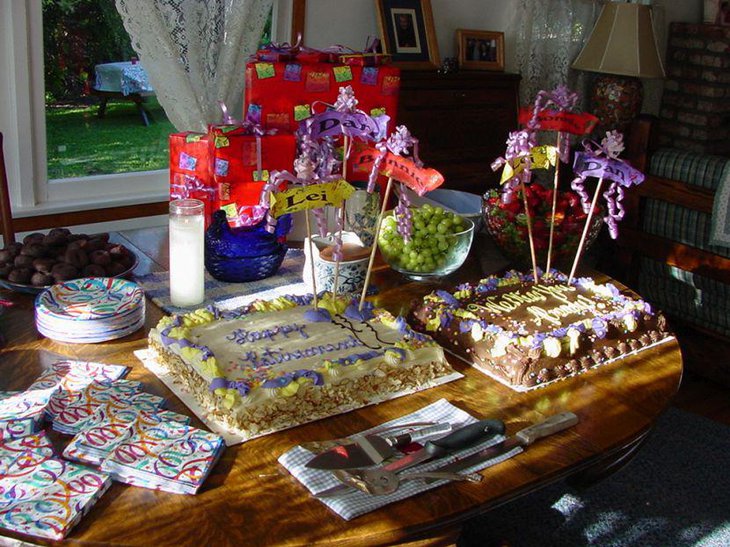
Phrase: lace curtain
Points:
(550, 35)
(194, 52)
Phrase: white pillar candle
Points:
(187, 249)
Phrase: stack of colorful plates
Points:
(89, 310)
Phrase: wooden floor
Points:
(704, 389)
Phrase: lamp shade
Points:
(622, 43)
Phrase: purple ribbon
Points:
(562, 99)
(192, 184)
(519, 145)
(602, 162)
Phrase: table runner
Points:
(287, 280)
(354, 502)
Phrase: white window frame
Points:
(22, 122)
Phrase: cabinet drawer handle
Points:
(460, 95)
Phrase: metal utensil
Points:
(372, 449)
(461, 438)
(387, 482)
(524, 437)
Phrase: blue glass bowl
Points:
(247, 253)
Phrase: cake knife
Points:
(372, 449)
(524, 437)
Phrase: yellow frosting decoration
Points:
(464, 314)
(229, 396)
(178, 333)
(433, 324)
(630, 323)
(552, 346)
(333, 304)
(165, 322)
(290, 389)
(190, 353)
(210, 367)
(198, 317)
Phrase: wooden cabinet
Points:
(462, 121)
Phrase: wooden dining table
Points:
(249, 499)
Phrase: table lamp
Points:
(621, 48)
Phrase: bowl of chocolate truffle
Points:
(44, 259)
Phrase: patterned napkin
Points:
(353, 503)
(110, 425)
(83, 403)
(167, 456)
(71, 375)
(41, 495)
(22, 412)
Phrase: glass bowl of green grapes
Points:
(440, 241)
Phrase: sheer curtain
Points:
(550, 34)
(195, 52)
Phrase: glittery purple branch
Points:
(562, 99)
(403, 214)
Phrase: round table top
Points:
(250, 499)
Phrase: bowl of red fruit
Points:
(506, 222)
(439, 243)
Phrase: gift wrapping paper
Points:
(279, 95)
(242, 163)
(191, 175)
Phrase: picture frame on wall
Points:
(408, 34)
(480, 49)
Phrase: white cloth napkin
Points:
(354, 503)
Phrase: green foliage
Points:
(82, 144)
(78, 34)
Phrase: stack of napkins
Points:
(166, 456)
(70, 410)
(90, 310)
(21, 412)
(41, 495)
(110, 425)
(69, 375)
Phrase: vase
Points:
(353, 266)
(361, 212)
(247, 253)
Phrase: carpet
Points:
(675, 492)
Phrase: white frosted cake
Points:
(279, 363)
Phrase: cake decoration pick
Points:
(388, 158)
(553, 111)
(517, 163)
(345, 119)
(602, 162)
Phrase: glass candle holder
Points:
(187, 250)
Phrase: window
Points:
(55, 158)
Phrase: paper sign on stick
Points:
(588, 165)
(333, 123)
(402, 169)
(313, 196)
(541, 157)
(567, 122)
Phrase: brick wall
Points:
(695, 112)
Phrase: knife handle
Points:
(464, 437)
(420, 434)
(553, 424)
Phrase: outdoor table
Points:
(126, 80)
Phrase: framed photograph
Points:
(407, 32)
(480, 49)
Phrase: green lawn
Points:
(82, 144)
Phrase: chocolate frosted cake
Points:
(279, 363)
(528, 335)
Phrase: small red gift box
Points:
(242, 163)
(190, 170)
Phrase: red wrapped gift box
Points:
(191, 175)
(236, 156)
(280, 95)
